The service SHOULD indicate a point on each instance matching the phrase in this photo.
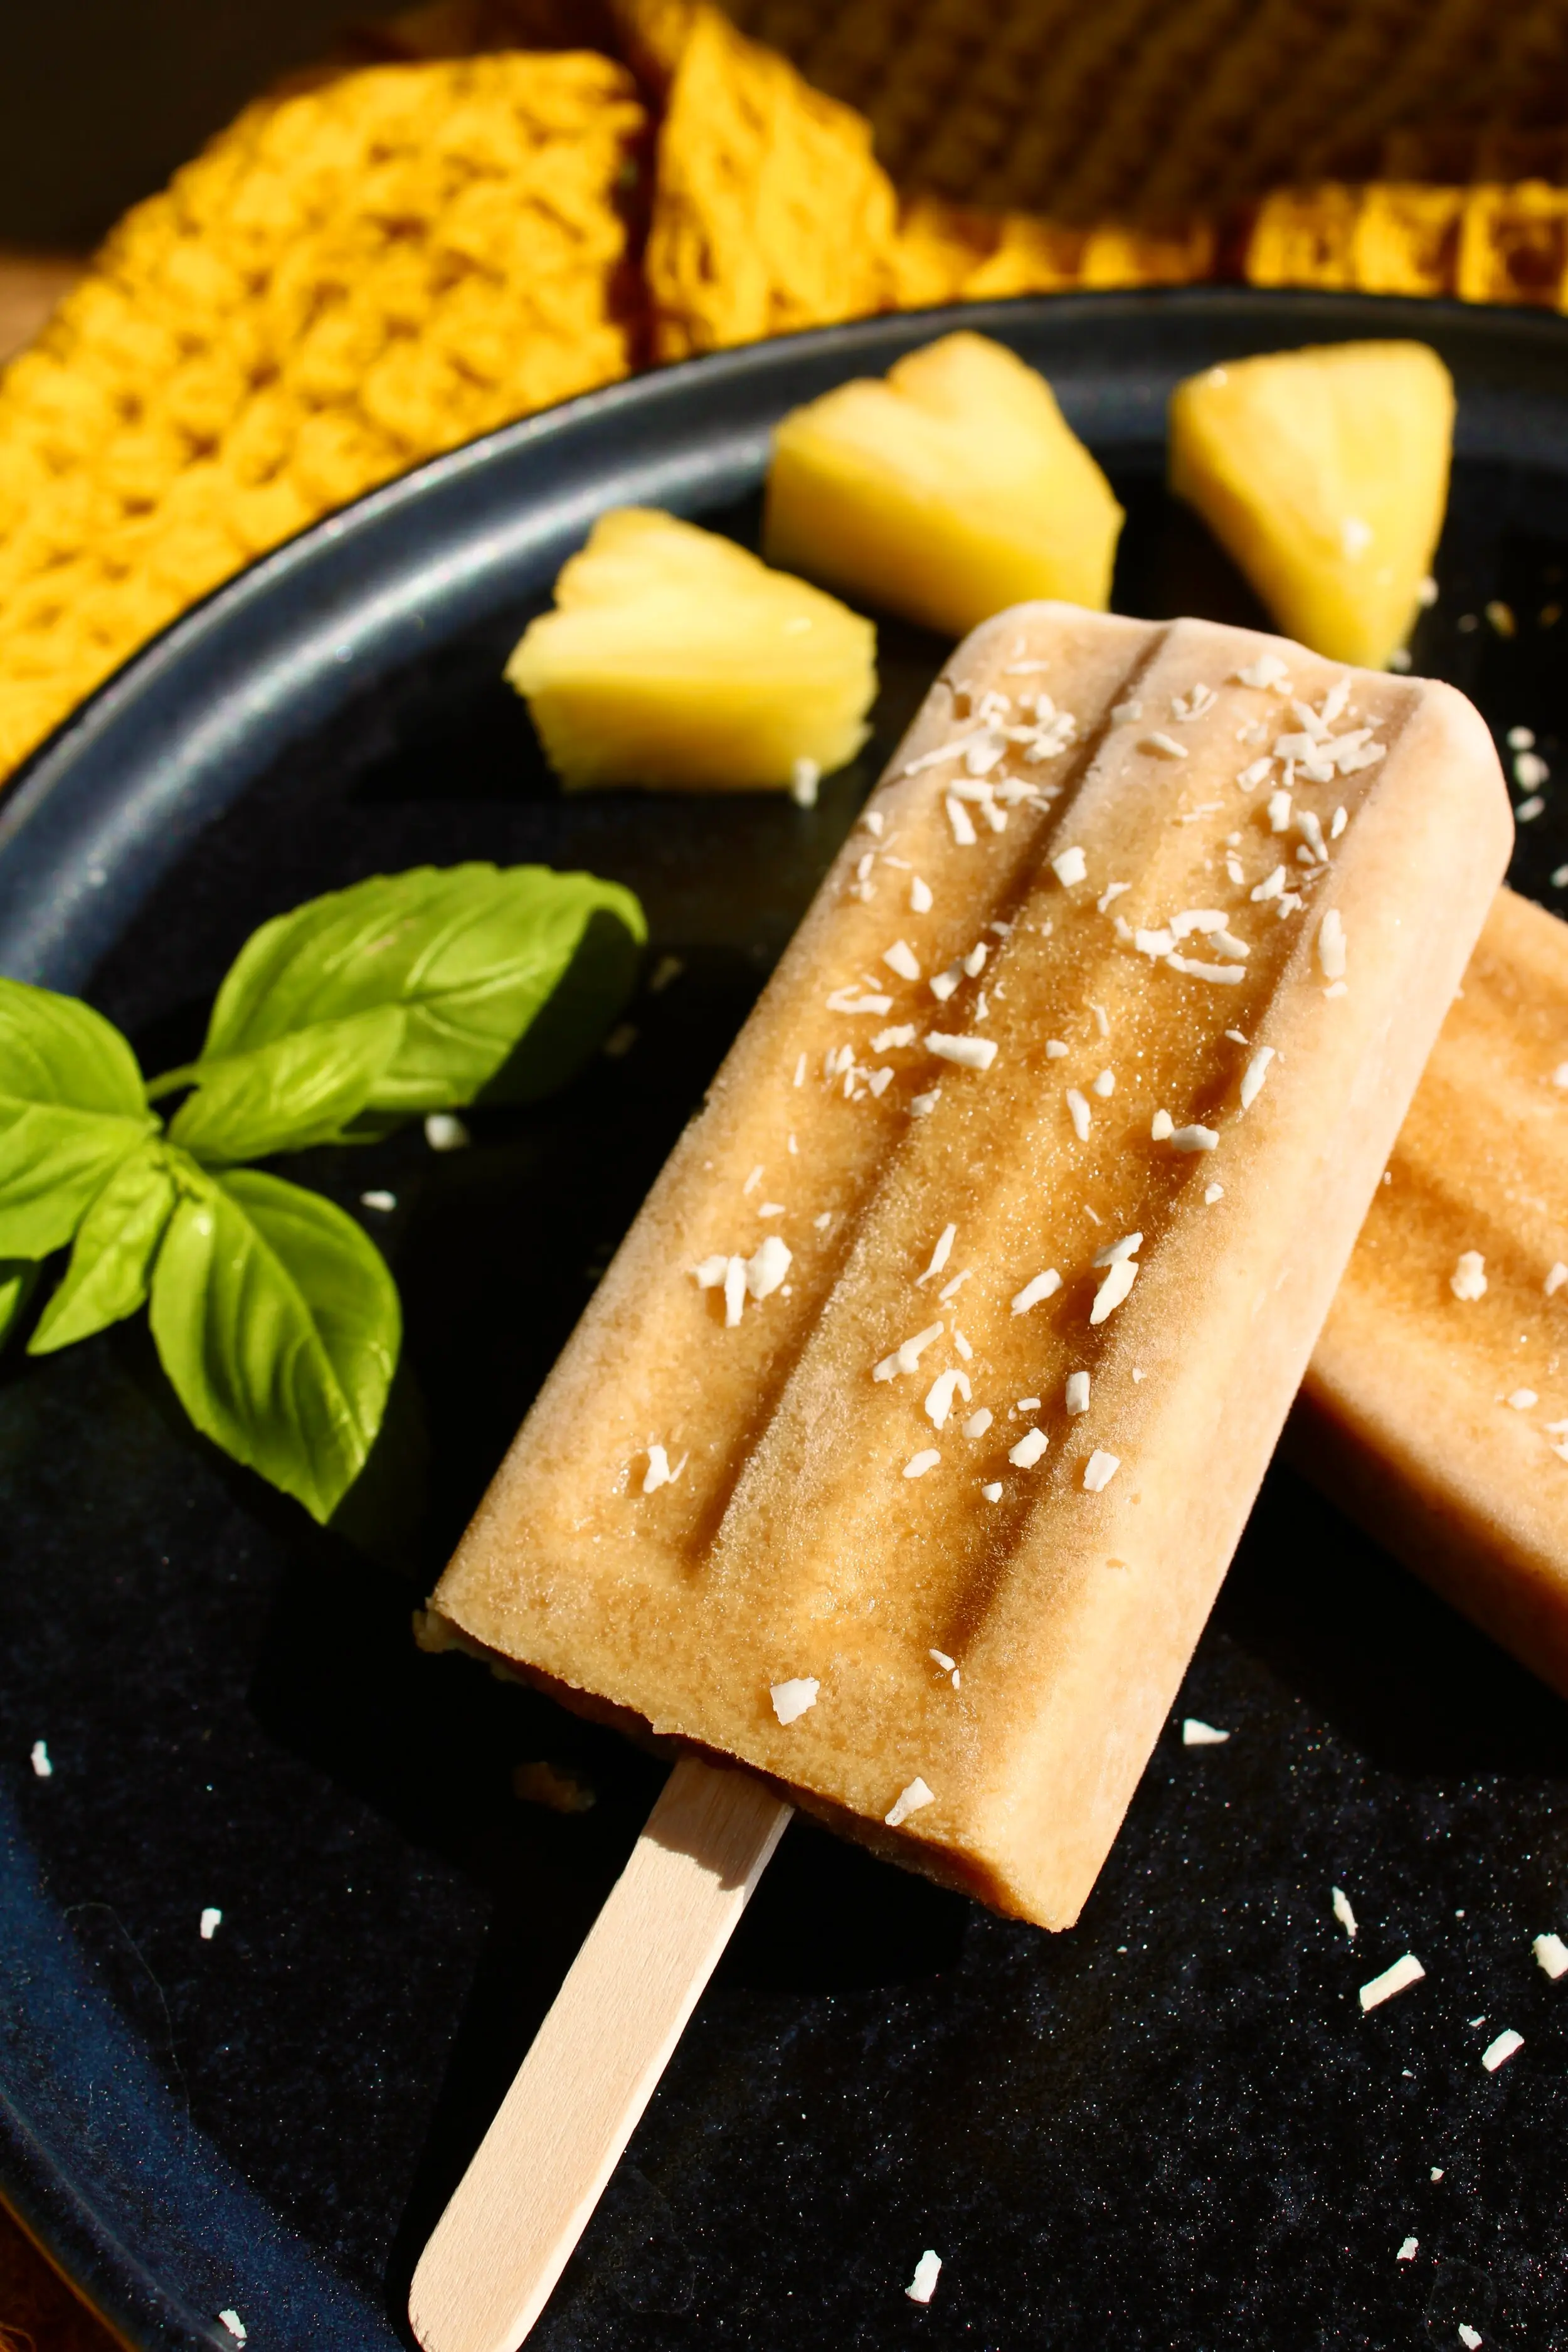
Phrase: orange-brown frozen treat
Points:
(1436, 1406)
(903, 1447)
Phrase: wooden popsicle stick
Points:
(540, 2168)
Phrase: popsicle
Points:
(1435, 1408)
(906, 1441)
(904, 1445)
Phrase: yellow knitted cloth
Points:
(395, 255)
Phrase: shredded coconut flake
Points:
(968, 1053)
(1267, 671)
(1100, 1470)
(1163, 746)
(1254, 1075)
(958, 817)
(844, 1000)
(1043, 1285)
(909, 1801)
(1128, 1246)
(1197, 1733)
(234, 2325)
(1552, 1954)
(1405, 1973)
(901, 957)
(906, 1357)
(888, 1041)
(40, 1761)
(1555, 1279)
(659, 1472)
(210, 1922)
(992, 1490)
(923, 1106)
(1498, 2053)
(940, 1396)
(1078, 1392)
(1226, 974)
(1077, 1107)
(939, 1257)
(1028, 1449)
(792, 1699)
(1407, 2251)
(918, 1463)
(1212, 1192)
(1468, 1279)
(1195, 1138)
(767, 1267)
(1342, 1912)
(1331, 945)
(1162, 1127)
(979, 1422)
(1071, 867)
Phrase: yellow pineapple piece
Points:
(947, 492)
(1324, 473)
(674, 657)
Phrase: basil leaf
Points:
(277, 1323)
(111, 1257)
(470, 954)
(71, 1108)
(17, 1277)
(302, 1089)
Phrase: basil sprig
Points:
(275, 1316)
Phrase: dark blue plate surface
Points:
(1170, 2131)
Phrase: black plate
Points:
(1171, 2130)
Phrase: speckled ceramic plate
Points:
(1171, 2131)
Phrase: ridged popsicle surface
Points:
(1086, 1060)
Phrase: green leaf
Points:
(302, 1089)
(17, 1277)
(279, 1326)
(71, 1108)
(111, 1257)
(470, 955)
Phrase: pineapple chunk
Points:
(1324, 473)
(674, 657)
(947, 493)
